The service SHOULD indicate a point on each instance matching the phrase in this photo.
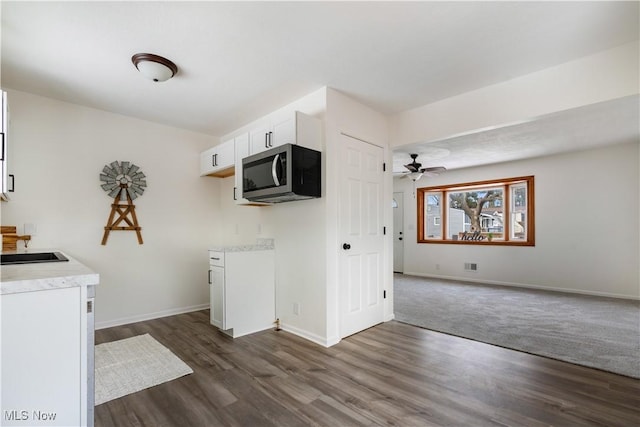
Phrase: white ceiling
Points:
(604, 123)
(241, 60)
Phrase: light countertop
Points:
(46, 275)
(260, 245)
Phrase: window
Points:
(488, 212)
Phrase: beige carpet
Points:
(134, 364)
(597, 332)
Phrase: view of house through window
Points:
(487, 212)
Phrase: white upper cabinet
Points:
(242, 151)
(281, 127)
(284, 131)
(218, 161)
(259, 139)
(291, 128)
(4, 142)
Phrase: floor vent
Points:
(470, 266)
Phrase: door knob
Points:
(346, 246)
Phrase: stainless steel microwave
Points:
(282, 174)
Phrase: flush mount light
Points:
(154, 67)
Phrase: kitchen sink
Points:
(31, 258)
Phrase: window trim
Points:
(506, 203)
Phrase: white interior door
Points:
(398, 233)
(362, 245)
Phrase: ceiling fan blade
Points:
(412, 167)
(435, 169)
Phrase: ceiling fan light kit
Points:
(415, 176)
(154, 67)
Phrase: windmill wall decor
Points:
(124, 182)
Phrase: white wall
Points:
(587, 231)
(57, 152)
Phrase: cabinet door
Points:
(4, 123)
(206, 161)
(226, 155)
(42, 356)
(242, 151)
(259, 139)
(284, 131)
(217, 295)
(219, 160)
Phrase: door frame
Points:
(398, 212)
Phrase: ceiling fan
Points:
(415, 171)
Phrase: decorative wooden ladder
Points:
(126, 211)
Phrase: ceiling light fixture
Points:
(415, 176)
(154, 67)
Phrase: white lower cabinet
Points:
(43, 358)
(242, 291)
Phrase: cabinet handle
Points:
(270, 143)
(266, 140)
(13, 183)
(215, 259)
(2, 152)
(234, 193)
(209, 276)
(214, 160)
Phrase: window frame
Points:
(505, 184)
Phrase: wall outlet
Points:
(296, 308)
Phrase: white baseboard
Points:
(524, 285)
(325, 342)
(149, 316)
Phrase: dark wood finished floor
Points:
(392, 374)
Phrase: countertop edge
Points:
(241, 248)
(20, 278)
